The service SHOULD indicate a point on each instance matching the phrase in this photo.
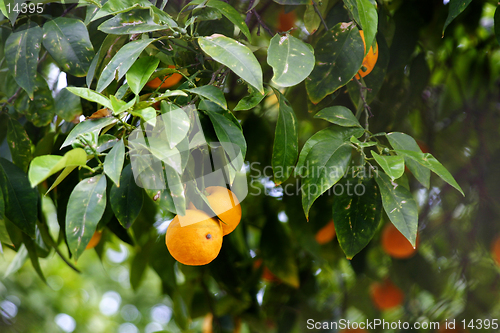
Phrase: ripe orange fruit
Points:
(325, 234)
(395, 244)
(170, 80)
(286, 21)
(96, 237)
(226, 205)
(196, 243)
(385, 295)
(370, 59)
(495, 249)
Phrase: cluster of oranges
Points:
(196, 238)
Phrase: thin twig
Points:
(315, 5)
(249, 12)
(361, 88)
(262, 24)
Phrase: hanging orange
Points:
(170, 80)
(395, 244)
(386, 295)
(370, 59)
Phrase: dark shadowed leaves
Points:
(126, 200)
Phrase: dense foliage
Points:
(302, 138)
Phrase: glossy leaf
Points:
(291, 59)
(90, 95)
(67, 40)
(140, 72)
(44, 166)
(431, 163)
(41, 109)
(135, 21)
(455, 8)
(334, 134)
(176, 124)
(85, 208)
(67, 105)
(285, 147)
(114, 7)
(339, 115)
(368, 20)
(113, 163)
(21, 53)
(405, 142)
(250, 101)
(4, 234)
(339, 54)
(235, 56)
(148, 115)
(211, 93)
(325, 165)
(87, 126)
(121, 62)
(400, 206)
(312, 20)
(126, 200)
(21, 200)
(356, 210)
(109, 47)
(393, 166)
(278, 257)
(232, 15)
(362, 144)
(230, 137)
(19, 144)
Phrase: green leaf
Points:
(87, 126)
(232, 15)
(212, 93)
(362, 144)
(42, 167)
(140, 72)
(90, 95)
(148, 115)
(113, 163)
(291, 59)
(85, 208)
(113, 7)
(285, 147)
(21, 53)
(400, 206)
(21, 200)
(312, 20)
(135, 21)
(339, 55)
(250, 101)
(403, 141)
(67, 40)
(356, 212)
(368, 20)
(32, 253)
(277, 252)
(326, 164)
(109, 47)
(334, 134)
(176, 123)
(41, 109)
(393, 166)
(339, 115)
(235, 56)
(431, 163)
(67, 105)
(455, 8)
(230, 137)
(17, 262)
(4, 234)
(126, 200)
(121, 62)
(162, 198)
(19, 144)
(496, 21)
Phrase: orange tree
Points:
(96, 95)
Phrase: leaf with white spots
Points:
(235, 56)
(356, 212)
(67, 40)
(21, 53)
(400, 206)
(85, 208)
(339, 54)
(291, 59)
